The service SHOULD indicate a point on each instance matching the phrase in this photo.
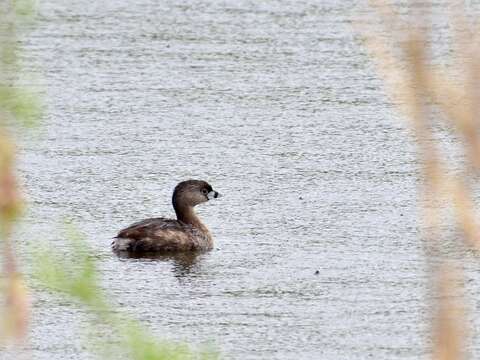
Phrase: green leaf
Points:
(20, 103)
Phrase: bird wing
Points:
(158, 234)
(141, 228)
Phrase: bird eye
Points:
(204, 191)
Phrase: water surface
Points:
(276, 105)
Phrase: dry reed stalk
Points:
(16, 306)
(416, 85)
(412, 83)
(14, 320)
(448, 327)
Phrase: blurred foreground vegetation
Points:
(415, 85)
(73, 276)
(431, 97)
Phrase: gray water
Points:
(277, 105)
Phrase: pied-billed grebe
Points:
(187, 233)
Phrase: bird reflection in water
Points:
(184, 264)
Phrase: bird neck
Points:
(187, 215)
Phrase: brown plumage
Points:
(187, 233)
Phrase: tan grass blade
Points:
(449, 322)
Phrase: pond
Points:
(277, 105)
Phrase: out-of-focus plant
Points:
(71, 275)
(427, 94)
(19, 105)
(74, 275)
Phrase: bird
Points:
(160, 235)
